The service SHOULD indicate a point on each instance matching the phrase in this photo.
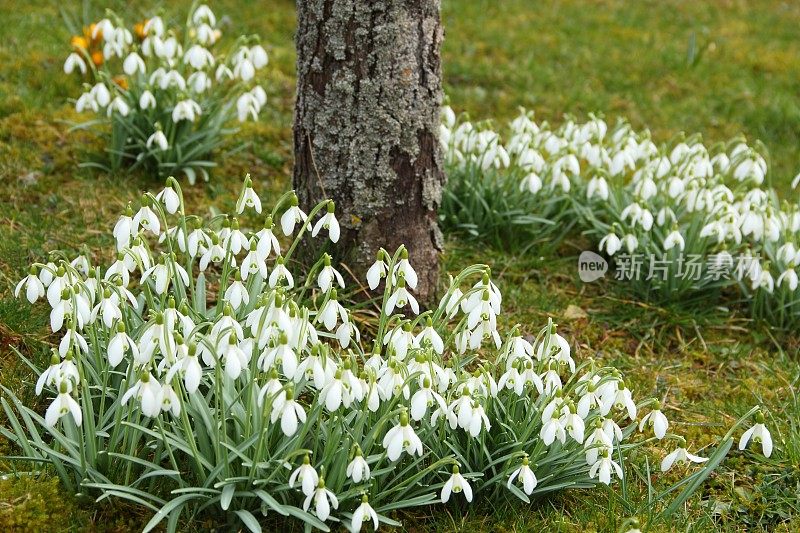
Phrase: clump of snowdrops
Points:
(164, 98)
(482, 198)
(682, 220)
(200, 372)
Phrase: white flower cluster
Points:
(664, 204)
(171, 94)
(274, 369)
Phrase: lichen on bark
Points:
(366, 125)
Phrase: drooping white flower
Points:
(289, 411)
(74, 61)
(402, 438)
(758, 433)
(306, 475)
(358, 469)
(680, 455)
(62, 404)
(34, 288)
(456, 484)
(146, 390)
(159, 139)
(328, 222)
(364, 511)
(525, 475)
(249, 198)
(133, 64)
(323, 500)
(400, 298)
(604, 467)
(186, 110)
(657, 420)
(377, 271)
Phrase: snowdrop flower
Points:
(62, 404)
(328, 274)
(323, 500)
(147, 100)
(623, 401)
(118, 105)
(244, 70)
(74, 61)
(573, 425)
(306, 475)
(525, 475)
(674, 239)
(328, 222)
(789, 277)
(552, 429)
(146, 219)
(100, 95)
(293, 216)
(146, 390)
(159, 139)
(133, 64)
(404, 267)
(258, 56)
(189, 368)
(680, 455)
(249, 198)
(657, 420)
(169, 198)
(236, 294)
(363, 511)
(610, 243)
(289, 411)
(358, 469)
(602, 469)
(425, 398)
(186, 110)
(597, 187)
(120, 344)
(400, 298)
(377, 271)
(169, 400)
(456, 484)
(281, 275)
(34, 288)
(758, 433)
(402, 438)
(198, 57)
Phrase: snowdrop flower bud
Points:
(525, 475)
(657, 420)
(363, 511)
(758, 433)
(258, 56)
(456, 484)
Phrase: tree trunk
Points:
(366, 126)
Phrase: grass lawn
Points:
(718, 67)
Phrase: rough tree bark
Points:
(366, 125)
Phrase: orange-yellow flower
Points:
(122, 82)
(79, 42)
(138, 29)
(97, 58)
